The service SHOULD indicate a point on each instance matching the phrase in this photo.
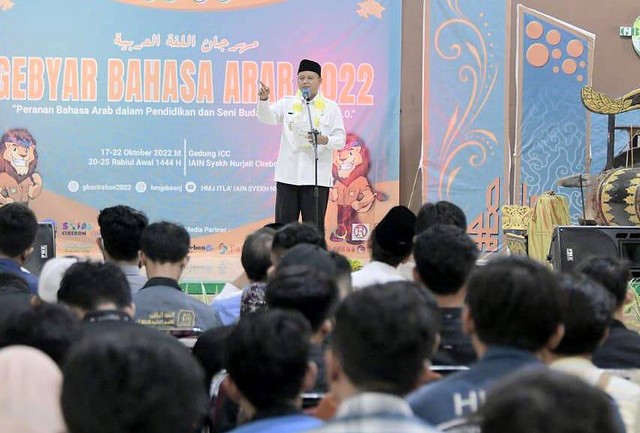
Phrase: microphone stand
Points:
(316, 192)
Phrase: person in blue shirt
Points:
(18, 228)
(267, 358)
(256, 261)
(513, 312)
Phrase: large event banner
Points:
(554, 62)
(152, 103)
(464, 131)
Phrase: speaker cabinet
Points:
(44, 248)
(570, 245)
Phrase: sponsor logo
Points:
(359, 232)
(200, 248)
(224, 248)
(75, 228)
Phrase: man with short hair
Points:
(430, 214)
(89, 288)
(291, 235)
(266, 357)
(124, 382)
(513, 312)
(119, 241)
(161, 303)
(445, 256)
(380, 347)
(295, 167)
(100, 296)
(621, 348)
(391, 242)
(543, 401)
(587, 315)
(441, 212)
(308, 290)
(18, 228)
(51, 328)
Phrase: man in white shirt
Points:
(588, 312)
(390, 243)
(295, 168)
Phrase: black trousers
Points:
(293, 200)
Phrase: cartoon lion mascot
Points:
(351, 191)
(19, 181)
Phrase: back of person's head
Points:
(126, 382)
(392, 239)
(514, 301)
(442, 212)
(309, 255)
(542, 401)
(89, 286)
(18, 228)
(293, 234)
(303, 289)
(120, 229)
(209, 350)
(256, 254)
(165, 242)
(384, 334)
(267, 357)
(445, 256)
(343, 273)
(51, 328)
(587, 315)
(30, 392)
(614, 275)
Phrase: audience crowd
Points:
(423, 338)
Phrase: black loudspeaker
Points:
(570, 245)
(44, 248)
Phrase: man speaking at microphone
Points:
(295, 168)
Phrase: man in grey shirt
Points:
(161, 303)
(120, 230)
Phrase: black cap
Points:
(395, 231)
(310, 65)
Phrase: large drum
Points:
(615, 200)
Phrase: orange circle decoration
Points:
(553, 37)
(537, 55)
(534, 30)
(582, 63)
(556, 69)
(569, 66)
(556, 53)
(579, 78)
(575, 48)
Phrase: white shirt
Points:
(625, 393)
(375, 273)
(296, 161)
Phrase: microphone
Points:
(306, 94)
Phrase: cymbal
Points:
(574, 181)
